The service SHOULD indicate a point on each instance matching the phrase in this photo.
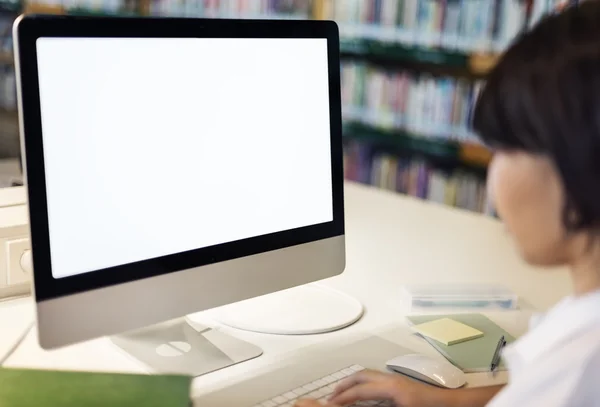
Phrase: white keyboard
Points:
(320, 389)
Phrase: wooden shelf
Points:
(34, 8)
(483, 63)
(475, 154)
(6, 58)
(470, 154)
(77, 11)
(401, 52)
(478, 64)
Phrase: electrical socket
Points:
(14, 243)
(16, 250)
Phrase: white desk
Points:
(391, 240)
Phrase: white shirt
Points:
(557, 363)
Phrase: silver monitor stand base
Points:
(183, 347)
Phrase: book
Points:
(32, 388)
(511, 21)
(451, 24)
(474, 355)
(389, 12)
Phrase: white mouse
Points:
(433, 371)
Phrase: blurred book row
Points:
(462, 25)
(6, 42)
(107, 6)
(412, 113)
(465, 25)
(8, 93)
(415, 177)
(422, 104)
(301, 9)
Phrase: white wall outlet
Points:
(15, 267)
(16, 250)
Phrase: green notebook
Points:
(46, 388)
(474, 355)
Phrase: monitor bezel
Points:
(29, 28)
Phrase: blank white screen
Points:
(159, 146)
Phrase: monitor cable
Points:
(16, 344)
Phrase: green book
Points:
(36, 388)
(474, 355)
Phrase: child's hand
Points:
(312, 403)
(372, 385)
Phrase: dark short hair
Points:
(543, 97)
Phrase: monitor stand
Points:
(184, 347)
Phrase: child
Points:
(540, 113)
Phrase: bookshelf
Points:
(9, 136)
(472, 157)
(411, 71)
(476, 64)
(252, 9)
(414, 175)
(9, 139)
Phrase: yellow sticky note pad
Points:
(448, 331)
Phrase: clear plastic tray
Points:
(458, 296)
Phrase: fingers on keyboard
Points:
(319, 389)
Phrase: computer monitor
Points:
(175, 165)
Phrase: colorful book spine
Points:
(451, 24)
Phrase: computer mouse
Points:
(430, 370)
